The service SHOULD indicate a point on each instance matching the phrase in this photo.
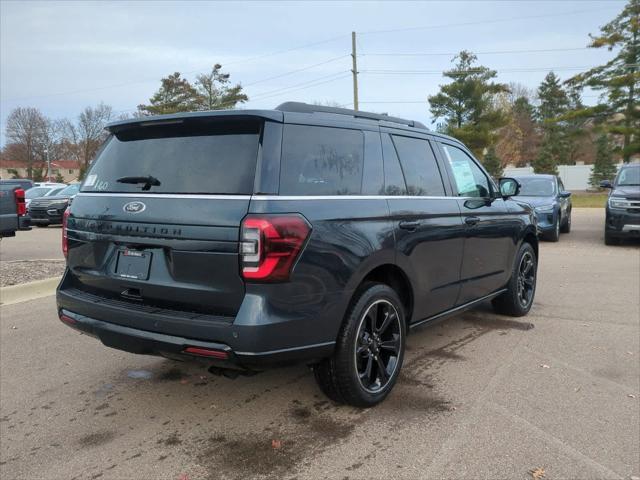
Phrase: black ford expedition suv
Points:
(623, 205)
(259, 237)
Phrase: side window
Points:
(321, 161)
(470, 179)
(419, 166)
(393, 179)
(373, 176)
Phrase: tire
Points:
(610, 239)
(366, 343)
(566, 226)
(512, 302)
(554, 235)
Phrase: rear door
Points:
(429, 232)
(492, 231)
(157, 219)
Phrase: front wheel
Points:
(521, 289)
(566, 226)
(369, 351)
(610, 239)
(554, 235)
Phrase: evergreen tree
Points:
(545, 161)
(468, 104)
(492, 163)
(603, 168)
(176, 94)
(618, 79)
(215, 92)
(554, 102)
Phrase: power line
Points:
(464, 72)
(149, 80)
(482, 22)
(494, 52)
(309, 67)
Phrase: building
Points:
(68, 169)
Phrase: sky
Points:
(62, 56)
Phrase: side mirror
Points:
(565, 194)
(606, 184)
(509, 187)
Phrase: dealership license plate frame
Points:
(133, 264)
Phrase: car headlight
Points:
(618, 202)
(545, 209)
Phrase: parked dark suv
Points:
(623, 205)
(260, 237)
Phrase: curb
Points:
(28, 291)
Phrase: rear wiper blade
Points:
(148, 181)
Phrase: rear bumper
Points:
(255, 339)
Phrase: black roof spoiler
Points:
(299, 107)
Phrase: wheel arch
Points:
(392, 275)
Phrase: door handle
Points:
(406, 225)
(471, 220)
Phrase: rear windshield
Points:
(194, 157)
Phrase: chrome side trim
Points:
(284, 350)
(270, 197)
(345, 197)
(458, 308)
(631, 228)
(165, 195)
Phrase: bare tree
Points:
(84, 138)
(26, 127)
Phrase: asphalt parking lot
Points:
(481, 396)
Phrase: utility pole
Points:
(354, 70)
(46, 152)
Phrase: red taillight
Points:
(65, 239)
(21, 205)
(67, 319)
(270, 245)
(206, 352)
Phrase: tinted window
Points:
(469, 178)
(419, 166)
(373, 176)
(393, 178)
(321, 161)
(195, 157)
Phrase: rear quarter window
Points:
(321, 161)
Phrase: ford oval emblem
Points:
(134, 207)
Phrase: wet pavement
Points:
(480, 395)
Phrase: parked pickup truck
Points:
(13, 210)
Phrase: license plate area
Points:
(133, 264)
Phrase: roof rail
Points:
(300, 107)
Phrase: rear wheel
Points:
(369, 351)
(566, 225)
(521, 289)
